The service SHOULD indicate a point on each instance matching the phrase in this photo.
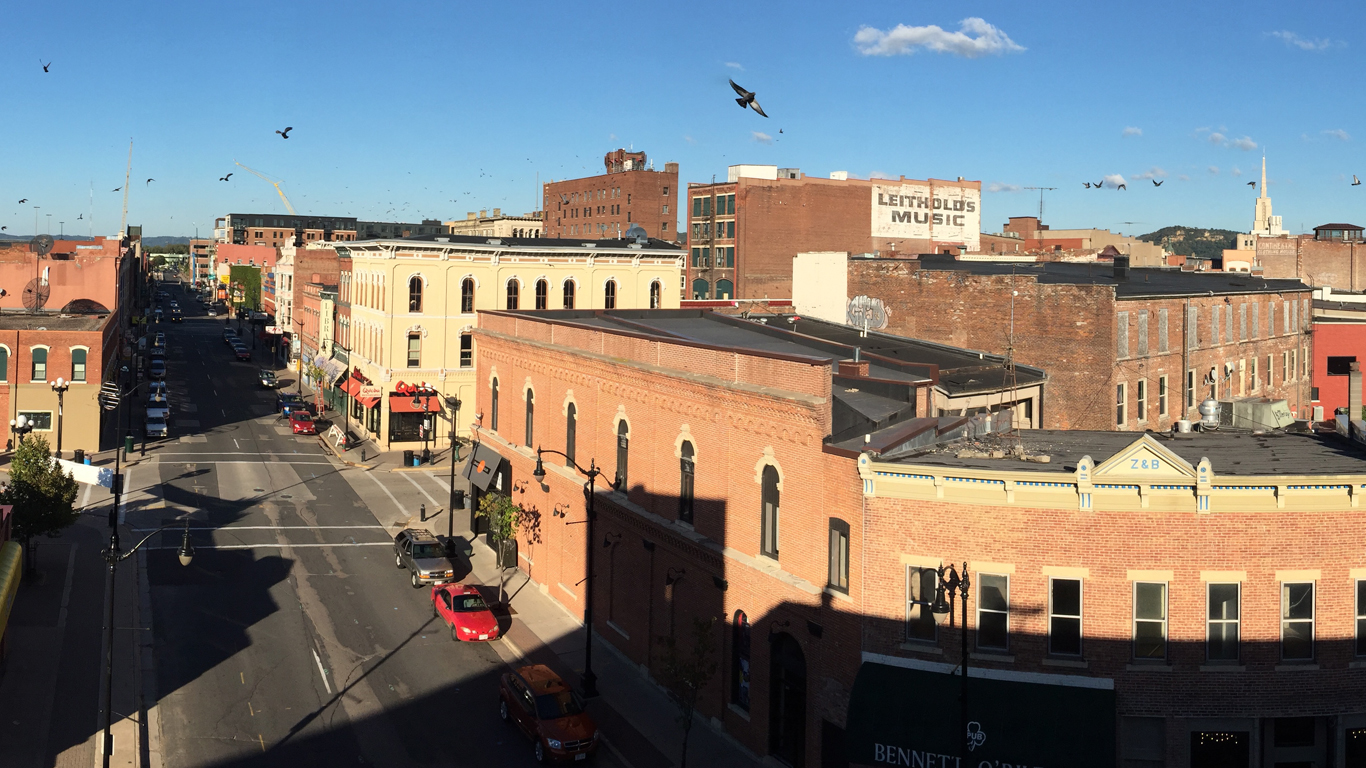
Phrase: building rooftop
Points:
(523, 242)
(1141, 281)
(27, 321)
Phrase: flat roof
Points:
(26, 321)
(1142, 281)
(524, 242)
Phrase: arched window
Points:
(768, 543)
(701, 289)
(493, 408)
(415, 293)
(530, 441)
(78, 365)
(571, 430)
(39, 364)
(623, 451)
(739, 661)
(686, 467)
(4, 364)
(569, 294)
(654, 295)
(542, 294)
(609, 295)
(514, 293)
(724, 289)
(467, 295)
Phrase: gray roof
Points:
(525, 242)
(1142, 281)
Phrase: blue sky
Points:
(435, 109)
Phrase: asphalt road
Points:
(292, 639)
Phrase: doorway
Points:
(787, 700)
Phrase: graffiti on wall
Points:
(867, 312)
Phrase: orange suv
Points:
(547, 711)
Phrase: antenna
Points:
(1041, 191)
(1010, 385)
(127, 174)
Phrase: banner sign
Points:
(921, 212)
(370, 390)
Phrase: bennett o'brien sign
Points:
(918, 212)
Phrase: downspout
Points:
(1185, 358)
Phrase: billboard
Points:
(912, 211)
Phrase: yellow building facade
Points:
(406, 310)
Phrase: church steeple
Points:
(1263, 223)
(1263, 177)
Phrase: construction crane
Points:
(273, 183)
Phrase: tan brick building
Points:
(605, 207)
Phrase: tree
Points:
(685, 672)
(505, 520)
(43, 495)
(156, 261)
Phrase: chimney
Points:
(497, 212)
(1354, 392)
(854, 369)
(1121, 267)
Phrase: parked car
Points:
(301, 421)
(288, 401)
(157, 369)
(267, 378)
(156, 427)
(158, 407)
(158, 389)
(212, 313)
(547, 710)
(229, 335)
(159, 340)
(157, 315)
(242, 353)
(421, 553)
(157, 353)
(464, 610)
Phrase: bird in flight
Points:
(1100, 183)
(1121, 186)
(225, 178)
(3, 228)
(1086, 184)
(45, 66)
(25, 200)
(118, 189)
(285, 133)
(1156, 183)
(82, 216)
(1355, 181)
(1252, 184)
(747, 99)
(149, 181)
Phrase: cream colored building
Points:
(407, 309)
(497, 225)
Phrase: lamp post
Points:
(299, 362)
(421, 400)
(590, 680)
(113, 556)
(60, 386)
(20, 426)
(949, 581)
(453, 402)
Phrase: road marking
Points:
(127, 491)
(262, 739)
(243, 675)
(234, 443)
(401, 508)
(430, 498)
(322, 672)
(66, 590)
(251, 709)
(283, 546)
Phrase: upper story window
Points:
(4, 364)
(493, 407)
(1297, 621)
(686, 476)
(414, 350)
(609, 295)
(415, 294)
(467, 295)
(542, 294)
(466, 350)
(1064, 617)
(78, 365)
(514, 293)
(530, 419)
(1150, 620)
(1221, 639)
(655, 294)
(39, 364)
(993, 611)
(768, 524)
(623, 454)
(568, 294)
(838, 577)
(571, 430)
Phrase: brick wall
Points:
(617, 200)
(19, 392)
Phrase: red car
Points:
(547, 711)
(301, 422)
(464, 609)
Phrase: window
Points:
(415, 293)
(1270, 369)
(1162, 331)
(1242, 322)
(1215, 329)
(466, 350)
(493, 408)
(1122, 335)
(686, 476)
(39, 364)
(1340, 365)
(1192, 328)
(4, 364)
(1121, 404)
(1252, 376)
(1143, 333)
(696, 207)
(839, 555)
(1141, 390)
(701, 289)
(571, 428)
(514, 293)
(1162, 397)
(1256, 320)
(609, 295)
(655, 294)
(568, 294)
(1361, 617)
(1064, 617)
(1150, 620)
(730, 204)
(414, 350)
(666, 192)
(1221, 642)
(1297, 621)
(39, 420)
(623, 454)
(78, 365)
(920, 590)
(768, 524)
(739, 661)
(1190, 390)
(724, 289)
(993, 611)
(542, 294)
(467, 295)
(530, 419)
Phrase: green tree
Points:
(156, 261)
(686, 671)
(42, 493)
(505, 517)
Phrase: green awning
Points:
(910, 717)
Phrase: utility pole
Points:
(1041, 191)
(127, 174)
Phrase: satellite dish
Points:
(43, 244)
(637, 232)
(36, 294)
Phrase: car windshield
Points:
(423, 550)
(470, 603)
(553, 706)
(300, 416)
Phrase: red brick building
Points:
(744, 233)
(36, 350)
(604, 207)
(1327, 258)
(1339, 334)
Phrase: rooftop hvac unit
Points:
(1255, 413)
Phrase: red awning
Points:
(368, 402)
(350, 387)
(404, 404)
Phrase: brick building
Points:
(604, 207)
(1125, 349)
(1327, 258)
(36, 350)
(80, 274)
(1036, 237)
(499, 224)
(743, 233)
(275, 230)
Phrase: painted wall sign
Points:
(867, 312)
(919, 212)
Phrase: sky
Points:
(410, 110)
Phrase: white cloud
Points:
(611, 137)
(975, 38)
(1304, 43)
(879, 175)
(1131, 131)
(1214, 169)
(762, 138)
(1155, 173)
(689, 139)
(1202, 130)
(1246, 144)
(1183, 177)
(1218, 139)
(735, 65)
(1114, 179)
(1338, 134)
(1236, 172)
(998, 186)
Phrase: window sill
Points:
(1297, 667)
(1069, 663)
(619, 630)
(921, 647)
(1357, 665)
(838, 595)
(1223, 668)
(1000, 658)
(1140, 667)
(735, 709)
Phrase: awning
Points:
(482, 466)
(332, 370)
(351, 387)
(903, 716)
(368, 402)
(404, 404)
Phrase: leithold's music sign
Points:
(949, 214)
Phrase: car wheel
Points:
(503, 710)
(416, 583)
(455, 636)
(398, 560)
(540, 751)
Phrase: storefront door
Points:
(787, 700)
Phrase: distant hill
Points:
(148, 242)
(1188, 241)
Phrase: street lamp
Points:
(113, 556)
(20, 426)
(60, 386)
(453, 402)
(950, 581)
(590, 680)
(421, 400)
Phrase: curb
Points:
(341, 458)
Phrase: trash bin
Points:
(78, 455)
(426, 456)
(407, 458)
(127, 444)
